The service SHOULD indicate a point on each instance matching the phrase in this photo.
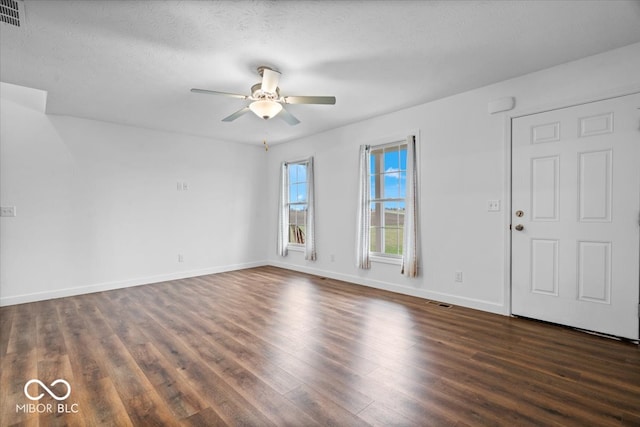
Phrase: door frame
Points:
(508, 161)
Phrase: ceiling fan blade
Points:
(270, 80)
(237, 114)
(328, 100)
(214, 92)
(288, 117)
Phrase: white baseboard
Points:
(372, 283)
(477, 304)
(108, 286)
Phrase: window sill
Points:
(295, 247)
(386, 259)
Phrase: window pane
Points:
(301, 192)
(297, 173)
(292, 214)
(372, 185)
(292, 174)
(374, 159)
(401, 212)
(296, 234)
(373, 236)
(402, 183)
(376, 211)
(403, 158)
(297, 218)
(302, 173)
(302, 221)
(392, 244)
(292, 231)
(391, 159)
(391, 188)
(293, 193)
(390, 214)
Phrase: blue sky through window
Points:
(393, 173)
(297, 185)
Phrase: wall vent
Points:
(11, 12)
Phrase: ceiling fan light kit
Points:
(265, 109)
(266, 100)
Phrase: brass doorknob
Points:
(519, 227)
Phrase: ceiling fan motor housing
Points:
(258, 94)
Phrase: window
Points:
(296, 209)
(387, 183)
(298, 202)
(388, 205)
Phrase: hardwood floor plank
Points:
(326, 380)
(17, 369)
(147, 409)
(377, 414)
(6, 324)
(266, 347)
(22, 337)
(205, 418)
(100, 405)
(320, 408)
(172, 387)
(50, 341)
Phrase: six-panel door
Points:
(576, 178)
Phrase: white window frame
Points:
(296, 247)
(382, 257)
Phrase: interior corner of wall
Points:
(34, 99)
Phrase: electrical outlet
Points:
(493, 205)
(8, 211)
(180, 258)
(458, 277)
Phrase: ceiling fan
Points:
(266, 101)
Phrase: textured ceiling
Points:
(134, 62)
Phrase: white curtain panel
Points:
(283, 211)
(310, 241)
(364, 217)
(410, 243)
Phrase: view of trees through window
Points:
(388, 177)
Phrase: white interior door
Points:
(576, 181)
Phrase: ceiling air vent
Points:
(11, 12)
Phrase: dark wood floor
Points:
(267, 346)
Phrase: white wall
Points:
(98, 206)
(463, 164)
